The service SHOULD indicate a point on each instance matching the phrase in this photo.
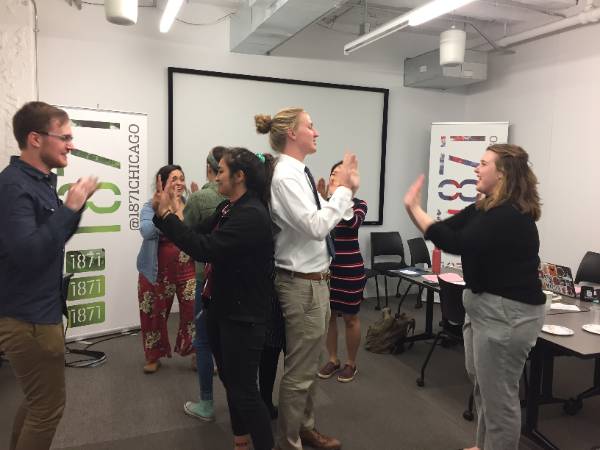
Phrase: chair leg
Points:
(398, 287)
(378, 306)
(386, 291)
(421, 379)
(403, 298)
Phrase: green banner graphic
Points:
(95, 124)
(86, 287)
(92, 260)
(96, 158)
(86, 314)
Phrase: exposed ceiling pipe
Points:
(495, 46)
(223, 3)
(586, 17)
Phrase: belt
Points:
(315, 276)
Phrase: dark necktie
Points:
(328, 239)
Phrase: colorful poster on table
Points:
(455, 151)
(102, 293)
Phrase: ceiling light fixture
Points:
(433, 9)
(413, 18)
(169, 14)
(452, 47)
(380, 32)
(121, 12)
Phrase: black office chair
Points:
(387, 243)
(589, 268)
(453, 318)
(419, 254)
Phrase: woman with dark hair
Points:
(237, 245)
(164, 270)
(346, 286)
(200, 205)
(498, 242)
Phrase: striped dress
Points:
(347, 268)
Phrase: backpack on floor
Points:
(388, 334)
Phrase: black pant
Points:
(267, 373)
(237, 348)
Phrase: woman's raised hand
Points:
(164, 199)
(412, 198)
(348, 174)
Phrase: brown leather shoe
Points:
(314, 439)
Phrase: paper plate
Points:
(558, 330)
(592, 327)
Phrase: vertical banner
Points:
(101, 255)
(455, 151)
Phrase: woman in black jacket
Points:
(498, 242)
(237, 245)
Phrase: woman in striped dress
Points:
(346, 290)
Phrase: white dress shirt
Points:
(300, 245)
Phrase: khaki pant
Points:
(305, 306)
(37, 356)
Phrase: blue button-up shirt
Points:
(34, 227)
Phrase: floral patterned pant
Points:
(176, 275)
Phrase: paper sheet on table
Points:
(452, 277)
(411, 271)
(431, 278)
(408, 272)
(565, 307)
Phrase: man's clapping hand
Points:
(80, 191)
(348, 174)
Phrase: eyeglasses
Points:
(62, 137)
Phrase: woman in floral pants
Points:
(164, 271)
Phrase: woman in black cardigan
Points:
(237, 245)
(498, 242)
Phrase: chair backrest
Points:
(589, 268)
(419, 253)
(451, 302)
(386, 243)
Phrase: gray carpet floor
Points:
(115, 406)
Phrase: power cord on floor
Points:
(94, 358)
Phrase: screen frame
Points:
(383, 91)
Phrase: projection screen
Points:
(214, 108)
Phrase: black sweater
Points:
(241, 251)
(499, 251)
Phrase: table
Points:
(582, 345)
(431, 288)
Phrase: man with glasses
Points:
(34, 227)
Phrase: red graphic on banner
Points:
(467, 138)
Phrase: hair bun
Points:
(263, 123)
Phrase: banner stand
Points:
(101, 255)
(455, 151)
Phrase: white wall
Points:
(550, 92)
(87, 62)
(16, 68)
